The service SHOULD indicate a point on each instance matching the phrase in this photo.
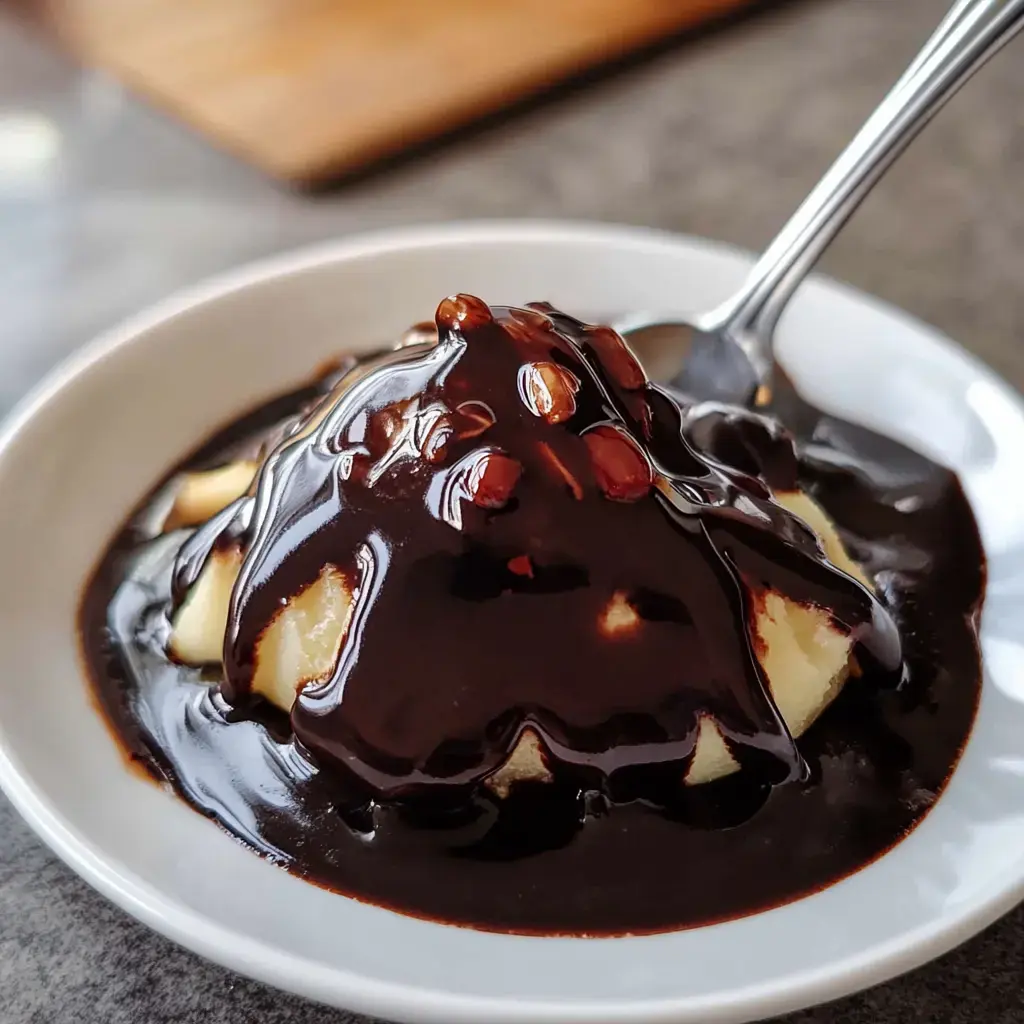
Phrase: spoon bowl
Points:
(727, 355)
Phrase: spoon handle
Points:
(972, 32)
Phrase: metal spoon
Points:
(726, 354)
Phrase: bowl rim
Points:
(401, 1001)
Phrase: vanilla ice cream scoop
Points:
(503, 556)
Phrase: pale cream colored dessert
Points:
(805, 658)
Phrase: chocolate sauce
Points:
(487, 499)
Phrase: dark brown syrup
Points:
(487, 498)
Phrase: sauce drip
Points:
(487, 498)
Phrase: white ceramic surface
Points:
(102, 429)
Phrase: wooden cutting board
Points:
(310, 89)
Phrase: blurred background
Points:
(145, 144)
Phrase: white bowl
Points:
(104, 427)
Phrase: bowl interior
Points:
(82, 452)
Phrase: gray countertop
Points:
(106, 206)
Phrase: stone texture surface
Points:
(106, 206)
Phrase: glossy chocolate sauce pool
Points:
(490, 500)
